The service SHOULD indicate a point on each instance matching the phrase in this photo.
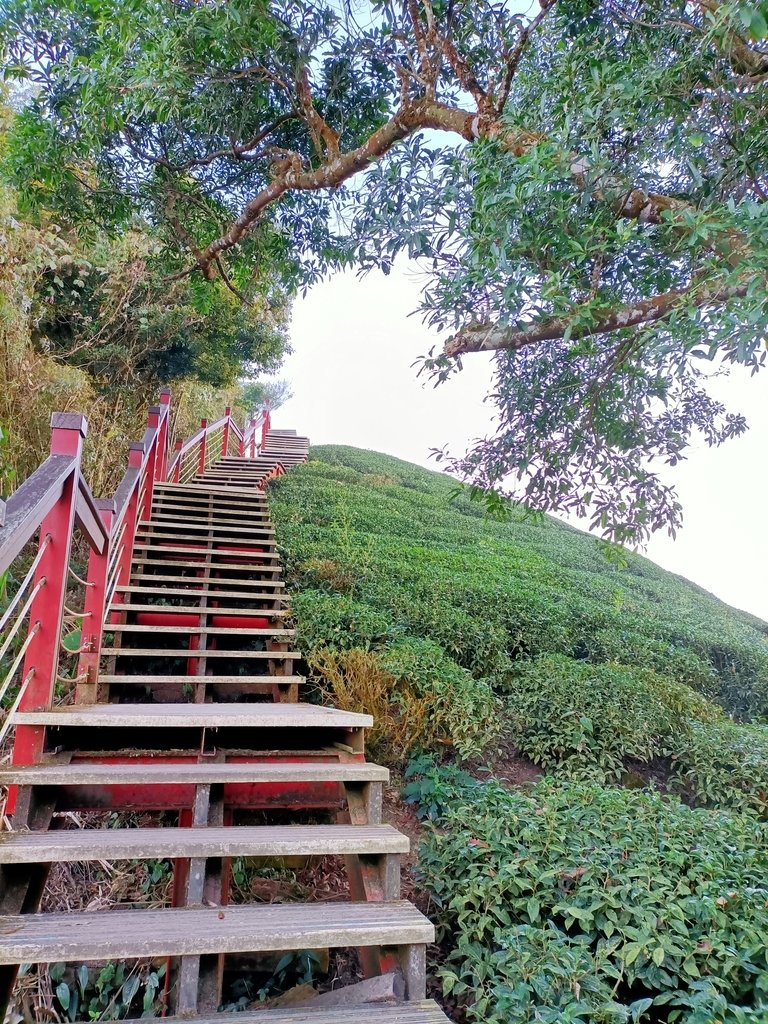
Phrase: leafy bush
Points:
(462, 709)
(576, 902)
(335, 620)
(418, 696)
(724, 765)
(588, 720)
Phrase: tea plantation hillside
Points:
(592, 895)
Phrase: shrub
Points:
(355, 680)
(576, 902)
(588, 720)
(724, 765)
(418, 697)
(334, 620)
(463, 710)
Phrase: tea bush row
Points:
(415, 561)
(576, 902)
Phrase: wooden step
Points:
(191, 592)
(210, 532)
(142, 679)
(182, 652)
(229, 841)
(163, 522)
(140, 579)
(130, 934)
(207, 516)
(275, 633)
(246, 510)
(419, 1012)
(208, 585)
(195, 609)
(200, 499)
(196, 716)
(266, 552)
(201, 488)
(161, 773)
(260, 560)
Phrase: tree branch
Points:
(513, 61)
(488, 337)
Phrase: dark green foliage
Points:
(591, 205)
(724, 765)
(589, 720)
(578, 903)
(379, 548)
(463, 708)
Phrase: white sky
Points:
(352, 382)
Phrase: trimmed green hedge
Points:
(588, 720)
(581, 903)
(417, 562)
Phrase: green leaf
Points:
(63, 994)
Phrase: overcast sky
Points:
(354, 341)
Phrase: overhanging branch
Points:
(488, 337)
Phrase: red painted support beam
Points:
(177, 467)
(163, 441)
(135, 459)
(151, 465)
(94, 612)
(225, 431)
(203, 440)
(46, 613)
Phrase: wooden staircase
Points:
(197, 711)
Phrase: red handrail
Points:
(51, 503)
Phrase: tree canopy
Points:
(585, 182)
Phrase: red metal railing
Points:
(55, 504)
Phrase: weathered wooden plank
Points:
(226, 841)
(30, 504)
(422, 1012)
(82, 773)
(209, 680)
(209, 585)
(195, 609)
(143, 652)
(199, 587)
(163, 716)
(208, 630)
(41, 938)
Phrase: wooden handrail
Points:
(52, 502)
(30, 504)
(88, 517)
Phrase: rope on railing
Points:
(18, 659)
(25, 582)
(74, 576)
(15, 706)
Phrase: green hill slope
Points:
(582, 897)
(407, 560)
